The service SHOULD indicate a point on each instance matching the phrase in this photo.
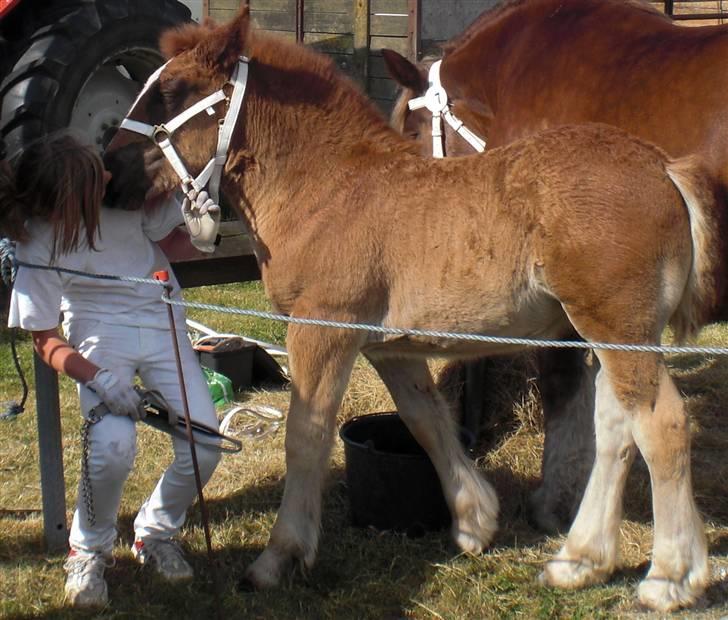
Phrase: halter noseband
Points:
(162, 134)
(436, 101)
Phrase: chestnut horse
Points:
(350, 223)
(525, 66)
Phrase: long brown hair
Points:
(58, 179)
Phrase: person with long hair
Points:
(113, 330)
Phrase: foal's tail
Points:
(700, 296)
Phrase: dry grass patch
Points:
(360, 573)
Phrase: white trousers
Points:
(129, 351)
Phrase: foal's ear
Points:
(223, 49)
(404, 72)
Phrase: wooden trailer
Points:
(353, 32)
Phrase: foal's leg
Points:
(321, 361)
(590, 552)
(637, 401)
(566, 383)
(472, 501)
(679, 571)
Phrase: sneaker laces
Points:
(165, 552)
(88, 564)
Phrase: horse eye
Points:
(173, 92)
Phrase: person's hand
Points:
(119, 397)
(202, 218)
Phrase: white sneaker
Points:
(85, 585)
(165, 556)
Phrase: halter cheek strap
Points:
(436, 101)
(162, 134)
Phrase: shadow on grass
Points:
(359, 572)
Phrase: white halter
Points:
(436, 101)
(162, 134)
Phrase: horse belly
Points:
(525, 311)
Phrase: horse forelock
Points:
(177, 40)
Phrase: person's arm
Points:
(55, 351)
(178, 246)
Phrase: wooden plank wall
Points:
(352, 32)
(688, 8)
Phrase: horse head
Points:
(414, 80)
(172, 128)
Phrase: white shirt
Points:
(124, 247)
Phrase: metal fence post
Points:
(53, 487)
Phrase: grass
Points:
(360, 573)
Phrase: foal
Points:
(579, 228)
(524, 66)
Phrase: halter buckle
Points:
(160, 134)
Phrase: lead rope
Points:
(8, 269)
(163, 278)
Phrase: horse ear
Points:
(404, 72)
(223, 49)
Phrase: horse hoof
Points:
(265, 573)
(571, 574)
(468, 542)
(665, 595)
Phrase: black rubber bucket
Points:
(391, 481)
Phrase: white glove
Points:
(120, 398)
(202, 218)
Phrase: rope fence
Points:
(379, 329)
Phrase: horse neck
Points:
(474, 64)
(292, 159)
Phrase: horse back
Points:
(563, 215)
(611, 62)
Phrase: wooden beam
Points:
(361, 40)
(415, 28)
(233, 261)
(52, 484)
(299, 21)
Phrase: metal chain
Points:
(86, 490)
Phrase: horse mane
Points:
(176, 40)
(505, 9)
(332, 86)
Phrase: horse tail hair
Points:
(699, 194)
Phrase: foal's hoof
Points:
(475, 519)
(267, 570)
(663, 594)
(571, 574)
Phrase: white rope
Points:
(395, 331)
(429, 333)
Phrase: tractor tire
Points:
(80, 66)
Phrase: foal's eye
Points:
(173, 92)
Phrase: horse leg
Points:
(679, 571)
(566, 385)
(321, 362)
(638, 402)
(472, 501)
(590, 552)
